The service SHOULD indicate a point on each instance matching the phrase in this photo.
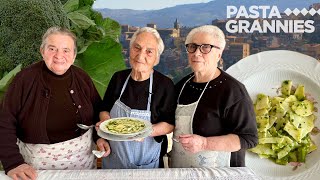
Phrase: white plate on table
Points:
(263, 73)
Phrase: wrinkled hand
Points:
(193, 143)
(98, 123)
(103, 116)
(23, 172)
(103, 145)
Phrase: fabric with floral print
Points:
(72, 154)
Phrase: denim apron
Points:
(132, 154)
(180, 158)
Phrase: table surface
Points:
(226, 173)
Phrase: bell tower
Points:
(176, 24)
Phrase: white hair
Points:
(216, 32)
(58, 30)
(156, 35)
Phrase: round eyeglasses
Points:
(204, 48)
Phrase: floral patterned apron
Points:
(72, 154)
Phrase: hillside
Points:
(193, 14)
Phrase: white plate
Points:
(124, 138)
(103, 125)
(263, 73)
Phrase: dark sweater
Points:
(24, 110)
(225, 108)
(61, 101)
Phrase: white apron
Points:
(72, 154)
(180, 158)
(132, 154)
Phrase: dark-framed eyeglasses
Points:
(204, 48)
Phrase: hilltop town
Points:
(174, 63)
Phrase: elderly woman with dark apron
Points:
(140, 92)
(215, 121)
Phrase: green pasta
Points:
(125, 126)
(284, 124)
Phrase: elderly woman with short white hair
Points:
(215, 120)
(139, 92)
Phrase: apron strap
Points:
(185, 85)
(150, 89)
(197, 102)
(150, 92)
(124, 85)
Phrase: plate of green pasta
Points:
(125, 126)
(285, 90)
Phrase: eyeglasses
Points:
(204, 48)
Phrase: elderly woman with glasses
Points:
(139, 92)
(215, 120)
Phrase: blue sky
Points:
(142, 4)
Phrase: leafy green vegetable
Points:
(5, 81)
(70, 6)
(99, 50)
(22, 25)
(80, 20)
(89, 25)
(100, 61)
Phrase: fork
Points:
(175, 140)
(83, 126)
(98, 154)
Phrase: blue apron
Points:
(132, 154)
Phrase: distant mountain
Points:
(193, 14)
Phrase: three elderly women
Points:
(209, 111)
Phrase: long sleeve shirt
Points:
(225, 108)
(24, 110)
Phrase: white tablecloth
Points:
(240, 173)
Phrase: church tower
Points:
(176, 24)
(176, 28)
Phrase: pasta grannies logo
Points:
(268, 19)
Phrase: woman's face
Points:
(58, 53)
(200, 62)
(143, 52)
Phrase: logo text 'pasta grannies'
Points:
(267, 19)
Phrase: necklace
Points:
(200, 86)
